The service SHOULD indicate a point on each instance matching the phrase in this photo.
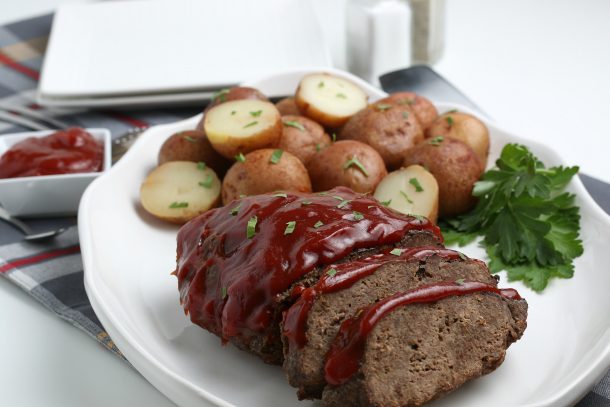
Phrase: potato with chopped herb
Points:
(347, 163)
(391, 129)
(288, 106)
(241, 126)
(230, 94)
(411, 190)
(302, 137)
(464, 127)
(424, 110)
(177, 191)
(262, 171)
(328, 99)
(192, 145)
(456, 168)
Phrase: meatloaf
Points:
(441, 345)
(360, 304)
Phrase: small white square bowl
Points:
(48, 195)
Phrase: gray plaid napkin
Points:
(52, 271)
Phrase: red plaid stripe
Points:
(38, 258)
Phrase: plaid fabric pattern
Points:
(52, 271)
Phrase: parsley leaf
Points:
(530, 227)
(318, 224)
(396, 252)
(290, 226)
(276, 156)
(358, 215)
(177, 205)
(295, 124)
(201, 165)
(343, 203)
(254, 123)
(382, 107)
(240, 157)
(404, 194)
(436, 141)
(416, 184)
(209, 180)
(251, 227)
(331, 272)
(354, 162)
(256, 113)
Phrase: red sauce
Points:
(63, 152)
(343, 358)
(346, 274)
(230, 283)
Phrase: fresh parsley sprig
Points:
(530, 226)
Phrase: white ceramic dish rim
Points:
(100, 134)
(163, 378)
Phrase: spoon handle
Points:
(4, 215)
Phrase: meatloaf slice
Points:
(423, 351)
(304, 365)
(269, 347)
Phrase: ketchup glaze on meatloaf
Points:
(234, 262)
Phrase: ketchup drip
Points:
(345, 275)
(345, 353)
(230, 284)
(63, 152)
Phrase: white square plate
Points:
(138, 52)
(128, 257)
(48, 195)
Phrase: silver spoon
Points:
(29, 234)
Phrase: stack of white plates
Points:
(173, 51)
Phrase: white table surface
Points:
(540, 68)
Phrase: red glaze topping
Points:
(344, 275)
(230, 283)
(343, 358)
(63, 152)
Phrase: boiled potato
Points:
(288, 106)
(302, 137)
(463, 127)
(192, 145)
(347, 163)
(424, 109)
(391, 129)
(456, 168)
(227, 95)
(328, 99)
(177, 191)
(262, 171)
(241, 126)
(411, 190)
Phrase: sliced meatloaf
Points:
(416, 353)
(423, 351)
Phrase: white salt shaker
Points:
(378, 37)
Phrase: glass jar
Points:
(427, 30)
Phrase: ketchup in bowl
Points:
(67, 151)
